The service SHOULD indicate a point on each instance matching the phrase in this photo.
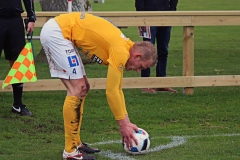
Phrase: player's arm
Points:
(113, 87)
(117, 60)
(113, 90)
(118, 57)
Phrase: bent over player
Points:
(104, 43)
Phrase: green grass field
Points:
(203, 126)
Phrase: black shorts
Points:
(12, 37)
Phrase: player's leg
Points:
(83, 146)
(85, 88)
(65, 64)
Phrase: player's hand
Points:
(127, 131)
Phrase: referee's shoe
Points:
(21, 109)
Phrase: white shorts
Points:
(63, 58)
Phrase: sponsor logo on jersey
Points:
(73, 61)
(96, 59)
(69, 51)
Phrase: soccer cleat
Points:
(77, 155)
(84, 147)
(21, 109)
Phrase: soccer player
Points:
(105, 44)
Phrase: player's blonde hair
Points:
(147, 50)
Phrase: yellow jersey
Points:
(105, 44)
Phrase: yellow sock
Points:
(80, 120)
(71, 116)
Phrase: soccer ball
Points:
(143, 143)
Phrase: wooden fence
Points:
(187, 19)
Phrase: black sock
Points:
(17, 93)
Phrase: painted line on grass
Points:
(176, 141)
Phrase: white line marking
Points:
(215, 135)
(176, 141)
(107, 142)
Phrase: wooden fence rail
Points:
(187, 19)
(138, 82)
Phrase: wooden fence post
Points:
(188, 56)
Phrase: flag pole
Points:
(69, 5)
